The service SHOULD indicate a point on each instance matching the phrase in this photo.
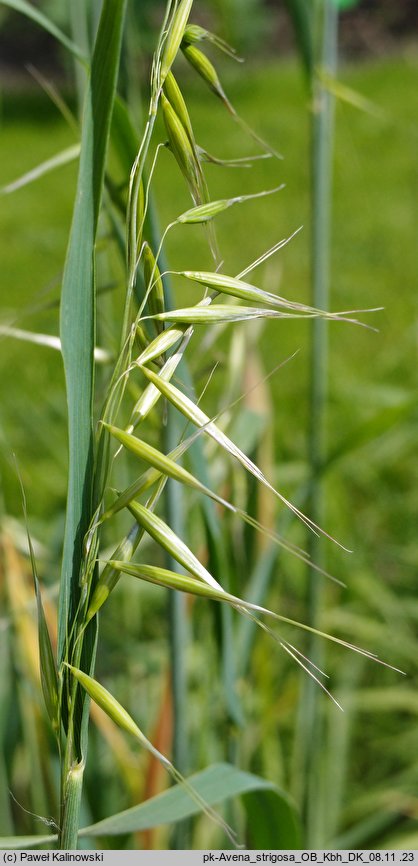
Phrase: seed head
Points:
(175, 97)
(181, 147)
(207, 71)
(174, 37)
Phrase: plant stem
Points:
(310, 726)
(177, 611)
(71, 808)
(174, 514)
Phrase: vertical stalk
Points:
(310, 722)
(177, 609)
(174, 514)
(71, 808)
(174, 511)
(77, 331)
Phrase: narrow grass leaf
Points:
(63, 158)
(215, 784)
(38, 17)
(47, 665)
(56, 98)
(48, 669)
(78, 301)
(273, 821)
(15, 843)
(352, 97)
(101, 356)
(301, 13)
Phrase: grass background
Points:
(372, 483)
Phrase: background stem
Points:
(322, 126)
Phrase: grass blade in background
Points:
(38, 17)
(77, 328)
(215, 785)
(179, 626)
(14, 843)
(302, 13)
(6, 704)
(273, 820)
(310, 735)
(63, 158)
(78, 300)
(80, 12)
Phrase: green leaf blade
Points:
(216, 784)
(63, 158)
(273, 821)
(77, 323)
(19, 843)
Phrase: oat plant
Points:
(143, 381)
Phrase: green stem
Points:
(73, 787)
(71, 782)
(177, 611)
(310, 725)
(75, 750)
(174, 513)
